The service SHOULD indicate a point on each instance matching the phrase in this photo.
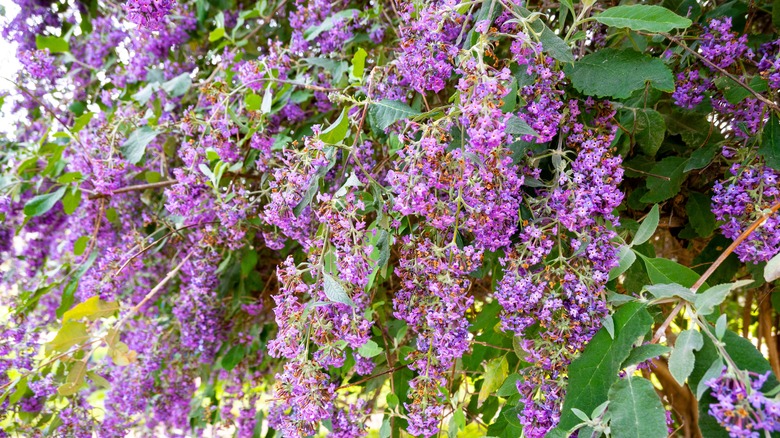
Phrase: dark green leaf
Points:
(700, 214)
(328, 23)
(666, 179)
(134, 147)
(636, 410)
(643, 353)
(665, 271)
(82, 121)
(618, 73)
(649, 131)
(770, 143)
(642, 17)
(386, 112)
(592, 374)
(233, 357)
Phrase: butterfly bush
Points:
(409, 218)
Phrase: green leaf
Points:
(650, 18)
(636, 410)
(43, 203)
(557, 48)
(713, 372)
(134, 147)
(386, 112)
(74, 380)
(770, 143)
(662, 270)
(592, 374)
(216, 34)
(647, 228)
(53, 43)
(338, 130)
(99, 380)
(327, 24)
(518, 127)
(700, 214)
(80, 245)
(370, 349)
(178, 85)
(681, 360)
(70, 334)
(509, 387)
(233, 357)
(666, 179)
(626, 258)
(359, 64)
(649, 131)
(643, 353)
(82, 121)
(252, 101)
(707, 301)
(92, 309)
(496, 371)
(248, 262)
(71, 201)
(618, 73)
(335, 291)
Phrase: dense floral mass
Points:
(390, 218)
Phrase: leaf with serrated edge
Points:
(642, 17)
(386, 112)
(706, 301)
(618, 73)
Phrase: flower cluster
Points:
(742, 409)
(563, 301)
(741, 200)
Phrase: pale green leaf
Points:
(681, 360)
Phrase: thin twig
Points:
(135, 188)
(151, 293)
(739, 82)
(374, 376)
